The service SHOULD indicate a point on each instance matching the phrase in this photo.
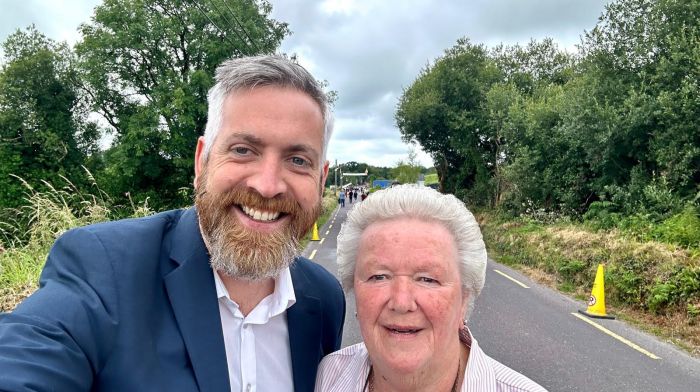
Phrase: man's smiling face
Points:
(259, 190)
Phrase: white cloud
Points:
(369, 51)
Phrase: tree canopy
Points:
(536, 126)
(147, 66)
(44, 130)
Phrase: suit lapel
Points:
(190, 287)
(305, 321)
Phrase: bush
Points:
(601, 215)
(682, 229)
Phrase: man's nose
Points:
(403, 298)
(268, 179)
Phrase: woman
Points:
(416, 262)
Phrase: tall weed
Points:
(29, 232)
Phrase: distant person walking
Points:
(350, 195)
(341, 199)
(355, 194)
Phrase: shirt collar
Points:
(276, 303)
(480, 375)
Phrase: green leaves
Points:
(43, 127)
(147, 66)
(515, 126)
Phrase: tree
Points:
(643, 56)
(499, 101)
(406, 172)
(147, 66)
(43, 128)
(442, 112)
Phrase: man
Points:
(206, 299)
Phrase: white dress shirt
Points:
(346, 370)
(257, 345)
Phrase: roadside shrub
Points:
(682, 287)
(571, 270)
(693, 313)
(682, 229)
(601, 215)
(624, 281)
(660, 296)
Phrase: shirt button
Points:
(247, 388)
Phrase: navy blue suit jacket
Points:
(131, 306)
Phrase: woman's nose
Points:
(402, 298)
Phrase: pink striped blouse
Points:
(346, 370)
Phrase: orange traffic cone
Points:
(596, 302)
(314, 234)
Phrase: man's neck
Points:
(247, 293)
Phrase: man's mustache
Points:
(244, 196)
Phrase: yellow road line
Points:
(312, 255)
(508, 277)
(322, 239)
(328, 231)
(616, 336)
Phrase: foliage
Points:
(441, 111)
(682, 229)
(617, 122)
(431, 179)
(29, 231)
(43, 128)
(406, 172)
(146, 66)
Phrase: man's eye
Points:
(377, 278)
(241, 150)
(298, 161)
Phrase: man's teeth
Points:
(260, 215)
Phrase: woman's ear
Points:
(464, 307)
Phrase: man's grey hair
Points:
(247, 73)
(426, 204)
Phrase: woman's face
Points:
(410, 304)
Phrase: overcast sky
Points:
(368, 50)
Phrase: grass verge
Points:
(654, 286)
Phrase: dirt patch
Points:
(11, 297)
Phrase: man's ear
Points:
(199, 160)
(324, 175)
(325, 172)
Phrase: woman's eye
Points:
(428, 280)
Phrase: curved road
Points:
(539, 333)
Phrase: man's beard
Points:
(240, 252)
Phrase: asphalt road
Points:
(539, 333)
